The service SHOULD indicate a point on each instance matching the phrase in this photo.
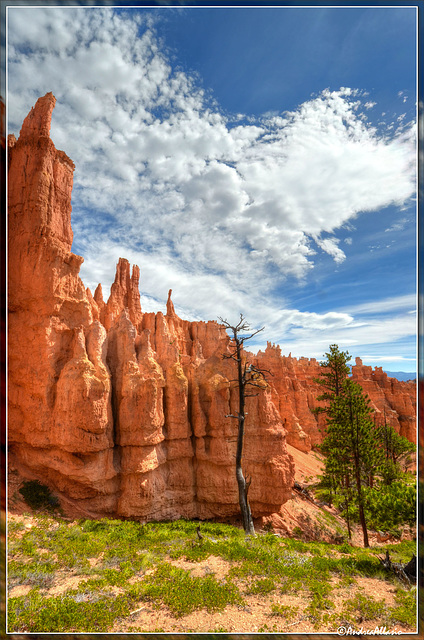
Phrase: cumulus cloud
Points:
(226, 207)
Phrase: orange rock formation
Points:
(123, 412)
(295, 394)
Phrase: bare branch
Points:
(241, 326)
(244, 338)
(226, 356)
(224, 322)
(230, 415)
(259, 370)
(252, 383)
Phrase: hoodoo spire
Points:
(170, 311)
(38, 121)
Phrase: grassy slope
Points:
(117, 566)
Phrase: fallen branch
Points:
(305, 493)
(407, 573)
(136, 610)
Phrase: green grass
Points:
(364, 606)
(34, 573)
(405, 610)
(133, 558)
(284, 611)
(263, 586)
(33, 613)
(182, 593)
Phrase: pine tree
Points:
(334, 373)
(351, 445)
(395, 448)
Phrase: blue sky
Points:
(255, 160)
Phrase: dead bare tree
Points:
(407, 573)
(248, 375)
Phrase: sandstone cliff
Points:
(295, 392)
(123, 412)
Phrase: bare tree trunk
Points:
(347, 503)
(248, 375)
(355, 440)
(360, 501)
(243, 486)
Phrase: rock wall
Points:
(124, 412)
(295, 392)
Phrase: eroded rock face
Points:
(59, 409)
(295, 394)
(124, 412)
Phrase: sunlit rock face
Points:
(122, 412)
(394, 401)
(295, 392)
(125, 413)
(60, 423)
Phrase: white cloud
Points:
(329, 245)
(355, 337)
(397, 226)
(219, 211)
(389, 358)
(386, 305)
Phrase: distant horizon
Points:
(255, 160)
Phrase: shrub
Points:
(406, 609)
(38, 496)
(366, 606)
(262, 586)
(391, 506)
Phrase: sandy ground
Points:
(256, 615)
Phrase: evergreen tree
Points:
(351, 445)
(395, 449)
(334, 373)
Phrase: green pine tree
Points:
(333, 374)
(351, 445)
(395, 449)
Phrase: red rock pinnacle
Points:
(170, 311)
(124, 294)
(38, 121)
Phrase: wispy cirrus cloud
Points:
(407, 303)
